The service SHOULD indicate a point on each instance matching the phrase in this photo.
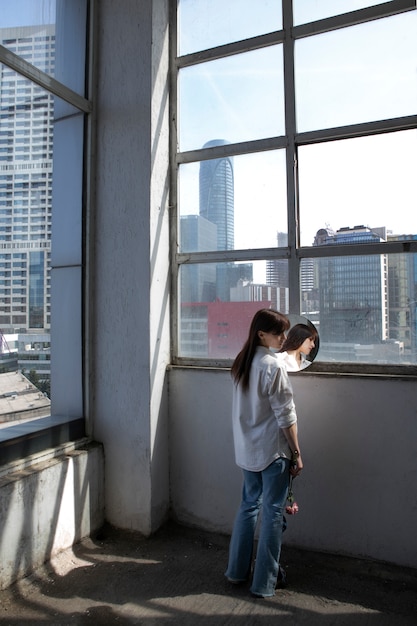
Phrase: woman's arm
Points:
(296, 461)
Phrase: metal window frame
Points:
(21, 441)
(40, 78)
(291, 141)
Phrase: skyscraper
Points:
(277, 269)
(198, 281)
(217, 195)
(217, 205)
(26, 135)
(353, 291)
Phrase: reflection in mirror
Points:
(301, 345)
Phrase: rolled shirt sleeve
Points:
(281, 398)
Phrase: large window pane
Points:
(233, 203)
(363, 306)
(26, 147)
(309, 11)
(205, 24)
(238, 98)
(41, 189)
(218, 301)
(38, 151)
(366, 181)
(357, 74)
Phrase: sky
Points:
(354, 75)
(26, 12)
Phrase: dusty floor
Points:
(176, 577)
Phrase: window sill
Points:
(23, 440)
(406, 372)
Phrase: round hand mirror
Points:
(301, 345)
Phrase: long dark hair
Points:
(267, 320)
(297, 336)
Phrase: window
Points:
(294, 132)
(44, 183)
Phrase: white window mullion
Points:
(291, 159)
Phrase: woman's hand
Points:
(296, 466)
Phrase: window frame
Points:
(21, 443)
(293, 253)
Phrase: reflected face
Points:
(307, 346)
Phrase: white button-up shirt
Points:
(260, 413)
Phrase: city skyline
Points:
(361, 304)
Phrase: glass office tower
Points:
(217, 196)
(353, 291)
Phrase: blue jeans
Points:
(268, 490)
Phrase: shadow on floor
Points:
(177, 577)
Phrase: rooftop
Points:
(20, 399)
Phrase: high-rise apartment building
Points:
(26, 136)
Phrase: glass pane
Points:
(49, 35)
(364, 307)
(28, 30)
(239, 98)
(26, 148)
(218, 301)
(309, 11)
(203, 24)
(233, 203)
(357, 74)
(366, 181)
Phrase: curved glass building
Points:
(217, 195)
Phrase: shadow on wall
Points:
(47, 507)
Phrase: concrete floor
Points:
(176, 577)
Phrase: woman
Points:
(300, 341)
(266, 448)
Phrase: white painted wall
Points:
(357, 493)
(47, 506)
(131, 299)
